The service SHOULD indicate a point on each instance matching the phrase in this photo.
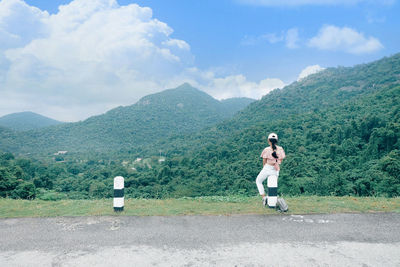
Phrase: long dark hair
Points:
(273, 142)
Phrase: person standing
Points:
(272, 157)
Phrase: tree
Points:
(25, 190)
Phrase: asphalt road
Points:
(251, 240)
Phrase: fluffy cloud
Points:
(238, 85)
(20, 23)
(344, 39)
(81, 55)
(308, 71)
(95, 55)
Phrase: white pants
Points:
(269, 172)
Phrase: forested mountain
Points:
(340, 129)
(341, 135)
(233, 105)
(24, 121)
(324, 90)
(351, 149)
(155, 117)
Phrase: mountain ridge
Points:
(340, 131)
(326, 89)
(26, 120)
(184, 109)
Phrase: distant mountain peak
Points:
(181, 110)
(185, 85)
(26, 120)
(185, 90)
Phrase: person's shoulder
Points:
(279, 147)
(267, 148)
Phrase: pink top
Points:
(267, 154)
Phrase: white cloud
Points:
(271, 38)
(292, 38)
(20, 23)
(344, 39)
(372, 17)
(238, 85)
(309, 70)
(294, 3)
(90, 55)
(95, 55)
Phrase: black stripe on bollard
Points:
(119, 208)
(272, 191)
(118, 201)
(119, 192)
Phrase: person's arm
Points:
(283, 154)
(264, 161)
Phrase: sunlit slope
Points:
(155, 117)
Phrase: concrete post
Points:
(118, 193)
(272, 191)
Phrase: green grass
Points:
(10, 208)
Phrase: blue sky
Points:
(216, 31)
(227, 48)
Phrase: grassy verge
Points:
(194, 206)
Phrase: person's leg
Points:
(259, 181)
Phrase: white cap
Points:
(273, 136)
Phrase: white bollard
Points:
(272, 191)
(119, 193)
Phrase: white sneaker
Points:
(264, 201)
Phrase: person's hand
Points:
(274, 154)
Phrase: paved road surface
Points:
(254, 240)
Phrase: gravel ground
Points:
(243, 240)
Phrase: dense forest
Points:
(182, 110)
(340, 129)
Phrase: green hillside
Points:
(352, 149)
(340, 129)
(233, 105)
(327, 89)
(153, 118)
(341, 136)
(24, 121)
